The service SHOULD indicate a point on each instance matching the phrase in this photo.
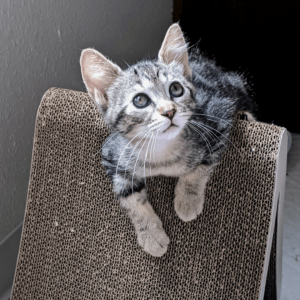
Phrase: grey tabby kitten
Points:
(170, 116)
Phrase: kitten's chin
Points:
(170, 132)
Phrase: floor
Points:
(291, 228)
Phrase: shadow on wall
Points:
(40, 48)
(258, 38)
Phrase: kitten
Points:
(170, 116)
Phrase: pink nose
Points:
(169, 114)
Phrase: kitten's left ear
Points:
(98, 74)
(174, 48)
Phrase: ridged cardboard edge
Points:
(278, 202)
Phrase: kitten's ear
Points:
(174, 48)
(98, 74)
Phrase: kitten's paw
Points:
(153, 238)
(188, 207)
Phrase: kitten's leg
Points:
(148, 227)
(190, 192)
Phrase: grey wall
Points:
(40, 44)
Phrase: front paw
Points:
(152, 237)
(188, 207)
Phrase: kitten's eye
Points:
(176, 90)
(141, 101)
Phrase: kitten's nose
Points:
(169, 113)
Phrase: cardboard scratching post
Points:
(78, 244)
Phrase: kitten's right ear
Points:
(98, 74)
(174, 48)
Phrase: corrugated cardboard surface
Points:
(78, 244)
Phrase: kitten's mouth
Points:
(172, 125)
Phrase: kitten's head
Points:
(148, 97)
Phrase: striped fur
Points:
(143, 143)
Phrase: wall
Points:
(40, 45)
(257, 38)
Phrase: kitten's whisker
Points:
(203, 136)
(151, 141)
(190, 126)
(146, 158)
(226, 139)
(146, 135)
(109, 138)
(209, 132)
(151, 151)
(157, 132)
(136, 145)
(125, 149)
(132, 153)
(157, 126)
(210, 117)
(216, 118)
(206, 128)
(126, 63)
(206, 141)
(159, 122)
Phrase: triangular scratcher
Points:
(78, 244)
